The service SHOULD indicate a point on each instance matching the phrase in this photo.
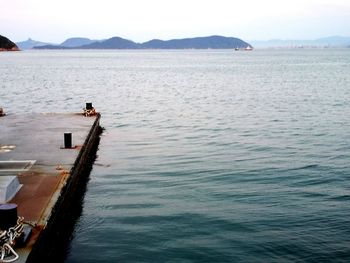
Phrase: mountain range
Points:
(214, 42)
(186, 43)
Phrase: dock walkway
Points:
(32, 151)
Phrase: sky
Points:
(56, 20)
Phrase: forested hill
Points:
(7, 45)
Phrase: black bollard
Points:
(8, 216)
(88, 105)
(68, 140)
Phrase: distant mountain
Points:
(214, 42)
(76, 42)
(333, 41)
(112, 43)
(30, 43)
(7, 45)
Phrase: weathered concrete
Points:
(56, 174)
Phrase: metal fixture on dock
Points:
(68, 140)
(8, 215)
(89, 110)
(89, 106)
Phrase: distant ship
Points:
(248, 48)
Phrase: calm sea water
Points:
(207, 156)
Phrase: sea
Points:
(206, 155)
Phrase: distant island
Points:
(30, 43)
(7, 45)
(210, 42)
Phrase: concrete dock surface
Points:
(32, 150)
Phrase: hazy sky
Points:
(56, 20)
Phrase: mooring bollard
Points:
(8, 216)
(89, 105)
(67, 140)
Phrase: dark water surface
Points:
(207, 156)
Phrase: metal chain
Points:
(7, 241)
(88, 113)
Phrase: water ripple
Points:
(207, 156)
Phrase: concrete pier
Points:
(32, 150)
